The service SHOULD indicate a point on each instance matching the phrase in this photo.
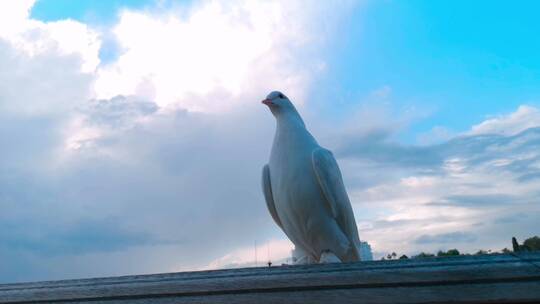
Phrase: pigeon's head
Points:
(278, 103)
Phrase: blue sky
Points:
(463, 60)
(83, 10)
(133, 136)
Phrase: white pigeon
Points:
(304, 191)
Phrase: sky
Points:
(133, 137)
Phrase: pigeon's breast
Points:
(296, 192)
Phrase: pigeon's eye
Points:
(281, 95)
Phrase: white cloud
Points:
(218, 50)
(67, 37)
(524, 118)
(71, 37)
(14, 16)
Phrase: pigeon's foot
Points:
(301, 257)
(328, 256)
(303, 260)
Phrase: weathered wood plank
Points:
(464, 279)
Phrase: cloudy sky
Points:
(132, 135)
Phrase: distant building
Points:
(365, 251)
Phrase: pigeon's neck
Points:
(290, 119)
(291, 131)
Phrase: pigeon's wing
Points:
(267, 190)
(331, 183)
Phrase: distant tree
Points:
(451, 252)
(423, 255)
(506, 250)
(479, 252)
(391, 256)
(515, 245)
(403, 257)
(532, 243)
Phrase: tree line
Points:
(530, 244)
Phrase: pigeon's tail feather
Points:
(354, 252)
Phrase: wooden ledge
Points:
(498, 278)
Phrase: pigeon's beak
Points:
(267, 102)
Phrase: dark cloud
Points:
(375, 145)
(533, 176)
(45, 83)
(478, 200)
(512, 218)
(52, 239)
(473, 150)
(447, 238)
(181, 180)
(119, 111)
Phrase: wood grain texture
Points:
(464, 279)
